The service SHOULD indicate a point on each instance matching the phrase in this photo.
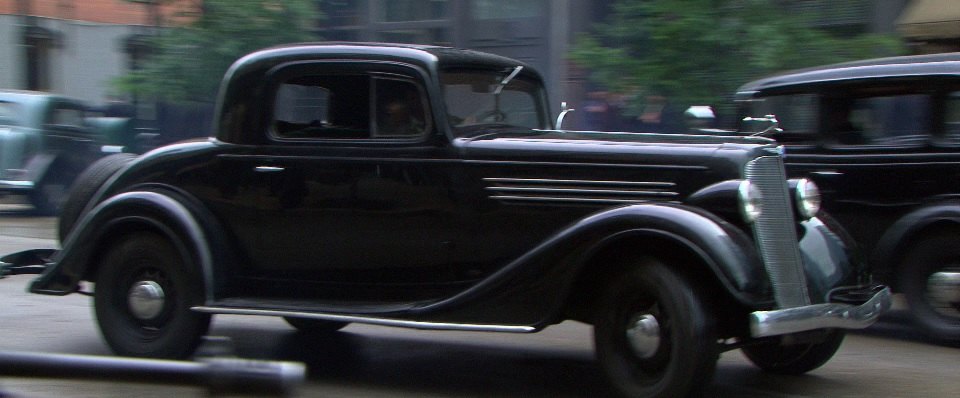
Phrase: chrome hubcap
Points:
(146, 299)
(943, 291)
(643, 333)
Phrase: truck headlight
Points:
(750, 199)
(808, 198)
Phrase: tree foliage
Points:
(700, 51)
(188, 61)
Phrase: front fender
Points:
(143, 209)
(529, 287)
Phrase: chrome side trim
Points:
(583, 191)
(368, 320)
(16, 185)
(565, 200)
(820, 316)
(578, 191)
(582, 182)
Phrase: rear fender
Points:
(151, 210)
(894, 243)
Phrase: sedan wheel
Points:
(654, 336)
(144, 292)
(794, 359)
(930, 280)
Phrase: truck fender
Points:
(39, 165)
(895, 241)
(156, 210)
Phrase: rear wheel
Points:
(143, 294)
(930, 280)
(794, 359)
(654, 335)
(315, 326)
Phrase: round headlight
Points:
(808, 198)
(750, 199)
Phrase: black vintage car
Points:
(424, 187)
(881, 138)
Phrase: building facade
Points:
(77, 47)
(74, 47)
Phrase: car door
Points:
(347, 198)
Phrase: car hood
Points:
(614, 147)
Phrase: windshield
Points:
(503, 97)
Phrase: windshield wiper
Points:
(506, 80)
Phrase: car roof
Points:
(425, 55)
(944, 65)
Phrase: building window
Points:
(38, 42)
(412, 10)
(344, 12)
(507, 9)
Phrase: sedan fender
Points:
(891, 246)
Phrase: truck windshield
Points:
(493, 97)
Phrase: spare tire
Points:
(85, 186)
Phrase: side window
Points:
(400, 109)
(67, 117)
(797, 113)
(322, 107)
(900, 120)
(951, 119)
(348, 107)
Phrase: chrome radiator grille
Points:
(775, 232)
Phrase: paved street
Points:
(887, 360)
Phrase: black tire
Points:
(794, 359)
(85, 186)
(315, 326)
(171, 330)
(682, 360)
(938, 319)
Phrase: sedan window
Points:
(951, 122)
(900, 120)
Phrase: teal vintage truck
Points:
(46, 140)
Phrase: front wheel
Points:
(794, 359)
(654, 335)
(143, 294)
(929, 280)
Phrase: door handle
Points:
(268, 169)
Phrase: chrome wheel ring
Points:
(643, 334)
(145, 300)
(943, 292)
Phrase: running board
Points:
(367, 320)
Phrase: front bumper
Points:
(834, 315)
